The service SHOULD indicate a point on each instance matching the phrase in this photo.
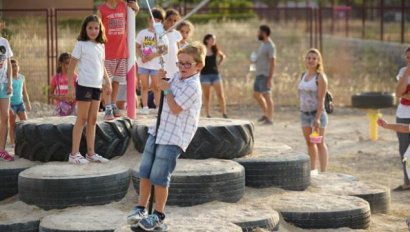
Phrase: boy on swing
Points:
(179, 122)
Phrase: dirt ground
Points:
(350, 152)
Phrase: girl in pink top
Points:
(59, 82)
(113, 14)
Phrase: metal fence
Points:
(38, 36)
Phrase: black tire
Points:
(196, 182)
(320, 211)
(247, 217)
(215, 138)
(19, 217)
(9, 173)
(278, 167)
(373, 100)
(103, 220)
(192, 225)
(29, 226)
(57, 186)
(50, 139)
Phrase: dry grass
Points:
(352, 66)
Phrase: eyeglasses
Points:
(185, 65)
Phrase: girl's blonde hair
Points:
(188, 24)
(319, 67)
(196, 50)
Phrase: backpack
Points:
(328, 97)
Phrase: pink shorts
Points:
(116, 69)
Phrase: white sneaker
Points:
(314, 172)
(77, 159)
(96, 158)
(145, 110)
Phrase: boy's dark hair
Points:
(101, 38)
(407, 50)
(61, 59)
(13, 61)
(265, 28)
(158, 13)
(171, 12)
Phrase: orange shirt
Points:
(115, 23)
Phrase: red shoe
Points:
(5, 156)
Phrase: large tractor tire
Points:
(215, 138)
(50, 139)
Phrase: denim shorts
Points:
(18, 108)
(159, 171)
(210, 78)
(307, 120)
(150, 72)
(261, 84)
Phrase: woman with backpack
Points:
(312, 93)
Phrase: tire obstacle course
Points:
(197, 179)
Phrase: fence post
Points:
(48, 51)
(320, 31)
(363, 19)
(381, 19)
(403, 4)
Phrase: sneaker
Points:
(314, 172)
(108, 115)
(267, 122)
(151, 223)
(5, 156)
(263, 118)
(77, 159)
(225, 116)
(145, 110)
(408, 223)
(136, 215)
(117, 113)
(96, 158)
(208, 116)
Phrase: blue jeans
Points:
(158, 170)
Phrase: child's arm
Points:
(222, 58)
(107, 85)
(9, 82)
(163, 85)
(71, 68)
(25, 95)
(134, 5)
(140, 54)
(402, 128)
(401, 87)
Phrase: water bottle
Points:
(252, 67)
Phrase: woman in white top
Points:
(403, 115)
(312, 91)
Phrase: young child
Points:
(113, 14)
(186, 29)
(172, 16)
(59, 83)
(6, 90)
(89, 53)
(210, 76)
(17, 106)
(182, 106)
(148, 59)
